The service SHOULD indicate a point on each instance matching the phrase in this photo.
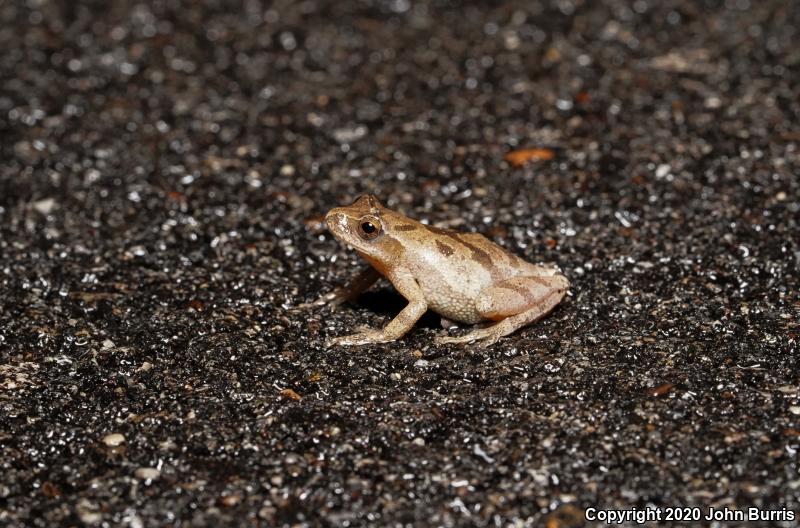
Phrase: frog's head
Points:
(366, 225)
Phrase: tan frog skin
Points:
(461, 276)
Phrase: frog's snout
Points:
(337, 222)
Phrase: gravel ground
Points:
(164, 169)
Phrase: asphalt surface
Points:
(164, 169)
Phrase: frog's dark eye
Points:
(369, 228)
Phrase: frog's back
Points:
(453, 268)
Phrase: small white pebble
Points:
(87, 512)
(45, 206)
(145, 473)
(794, 409)
(113, 439)
(108, 344)
(662, 170)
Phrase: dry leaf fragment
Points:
(518, 158)
(662, 389)
(290, 395)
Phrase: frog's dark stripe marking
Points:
(444, 249)
(441, 231)
(519, 290)
(507, 255)
(370, 203)
(541, 280)
(478, 255)
(405, 227)
(374, 205)
(512, 259)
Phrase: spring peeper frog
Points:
(461, 276)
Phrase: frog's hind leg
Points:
(514, 303)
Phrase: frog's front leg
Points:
(514, 303)
(350, 291)
(408, 287)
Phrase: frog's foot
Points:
(484, 337)
(364, 337)
(332, 299)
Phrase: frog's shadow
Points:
(385, 301)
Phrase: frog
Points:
(464, 277)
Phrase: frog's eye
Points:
(369, 227)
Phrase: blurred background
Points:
(164, 169)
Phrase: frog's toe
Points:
(483, 338)
(331, 342)
(331, 300)
(365, 337)
(487, 341)
(348, 340)
(335, 341)
(454, 340)
(444, 340)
